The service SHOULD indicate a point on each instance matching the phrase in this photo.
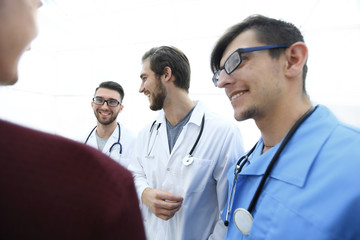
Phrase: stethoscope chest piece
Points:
(243, 220)
(187, 160)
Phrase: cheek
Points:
(24, 31)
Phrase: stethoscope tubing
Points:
(118, 140)
(157, 129)
(276, 157)
(269, 168)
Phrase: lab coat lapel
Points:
(112, 139)
(196, 118)
(92, 140)
(162, 131)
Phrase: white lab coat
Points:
(127, 140)
(203, 184)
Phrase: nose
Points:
(105, 105)
(141, 89)
(224, 79)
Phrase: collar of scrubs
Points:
(299, 154)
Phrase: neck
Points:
(268, 146)
(105, 131)
(274, 128)
(176, 110)
(265, 148)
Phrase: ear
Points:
(167, 74)
(296, 56)
(121, 107)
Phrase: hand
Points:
(162, 203)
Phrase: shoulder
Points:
(127, 132)
(333, 140)
(217, 121)
(149, 127)
(337, 129)
(213, 118)
(42, 148)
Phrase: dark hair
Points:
(112, 86)
(165, 56)
(267, 30)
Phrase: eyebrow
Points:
(143, 75)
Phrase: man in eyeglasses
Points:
(298, 182)
(52, 187)
(109, 136)
(182, 158)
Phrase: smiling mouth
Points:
(104, 113)
(148, 96)
(233, 97)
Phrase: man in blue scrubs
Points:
(312, 190)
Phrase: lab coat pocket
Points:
(196, 176)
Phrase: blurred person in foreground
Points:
(299, 180)
(183, 156)
(52, 187)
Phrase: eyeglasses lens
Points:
(112, 102)
(98, 101)
(101, 101)
(215, 78)
(232, 62)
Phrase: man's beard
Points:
(159, 97)
(250, 113)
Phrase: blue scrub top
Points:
(312, 191)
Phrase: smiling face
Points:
(104, 113)
(152, 87)
(17, 29)
(256, 86)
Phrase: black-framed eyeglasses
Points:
(110, 102)
(234, 60)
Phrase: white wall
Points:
(84, 42)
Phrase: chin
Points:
(9, 78)
(246, 113)
(238, 117)
(154, 108)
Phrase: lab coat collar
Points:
(297, 157)
(196, 116)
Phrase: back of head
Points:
(268, 31)
(112, 86)
(165, 56)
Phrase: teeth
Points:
(237, 95)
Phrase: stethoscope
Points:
(188, 159)
(242, 217)
(114, 144)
